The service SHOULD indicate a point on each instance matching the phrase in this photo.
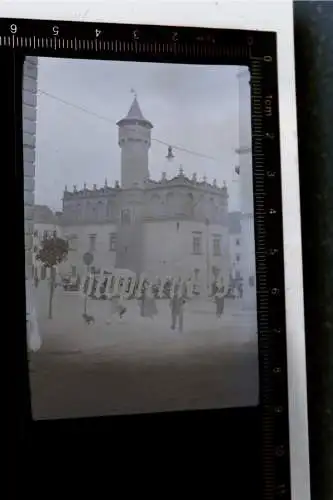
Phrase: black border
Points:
(231, 435)
(314, 84)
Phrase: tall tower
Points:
(248, 268)
(134, 141)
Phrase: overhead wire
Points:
(109, 120)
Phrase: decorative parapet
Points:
(182, 180)
(95, 192)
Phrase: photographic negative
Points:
(142, 277)
(109, 363)
(153, 367)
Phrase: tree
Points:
(52, 252)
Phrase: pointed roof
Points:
(134, 114)
(135, 111)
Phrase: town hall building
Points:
(166, 227)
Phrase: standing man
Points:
(147, 302)
(177, 303)
(219, 301)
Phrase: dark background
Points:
(314, 82)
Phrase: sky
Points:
(193, 107)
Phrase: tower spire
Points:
(134, 141)
(135, 114)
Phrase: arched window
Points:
(169, 197)
(155, 205)
(190, 203)
(100, 210)
(125, 217)
(109, 209)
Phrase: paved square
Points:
(135, 364)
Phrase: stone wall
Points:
(29, 142)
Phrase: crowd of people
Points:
(177, 301)
(176, 294)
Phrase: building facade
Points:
(248, 270)
(166, 227)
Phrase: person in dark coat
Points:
(219, 301)
(36, 280)
(177, 303)
(147, 302)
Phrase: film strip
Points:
(257, 50)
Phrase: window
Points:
(237, 242)
(109, 209)
(125, 217)
(45, 234)
(92, 242)
(216, 244)
(197, 243)
(72, 242)
(36, 234)
(237, 258)
(112, 242)
(238, 275)
(73, 271)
